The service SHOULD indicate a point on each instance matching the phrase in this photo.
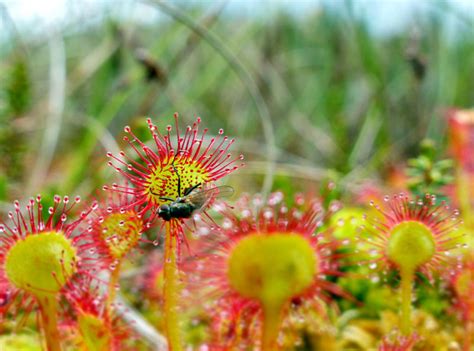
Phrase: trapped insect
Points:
(193, 199)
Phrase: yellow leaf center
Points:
(41, 263)
(121, 232)
(272, 268)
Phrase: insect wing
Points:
(201, 199)
(222, 191)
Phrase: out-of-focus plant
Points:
(461, 136)
(463, 285)
(16, 93)
(413, 235)
(116, 228)
(426, 173)
(270, 273)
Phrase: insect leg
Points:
(166, 198)
(179, 177)
(189, 190)
(162, 197)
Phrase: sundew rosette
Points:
(162, 177)
(461, 137)
(115, 229)
(41, 254)
(269, 261)
(412, 236)
(461, 142)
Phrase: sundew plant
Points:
(237, 176)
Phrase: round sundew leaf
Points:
(411, 244)
(41, 263)
(272, 268)
(120, 233)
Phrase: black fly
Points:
(191, 201)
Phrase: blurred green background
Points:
(310, 90)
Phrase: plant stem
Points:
(407, 276)
(49, 321)
(171, 290)
(271, 326)
(113, 283)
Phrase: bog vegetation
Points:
(315, 191)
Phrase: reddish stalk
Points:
(49, 321)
